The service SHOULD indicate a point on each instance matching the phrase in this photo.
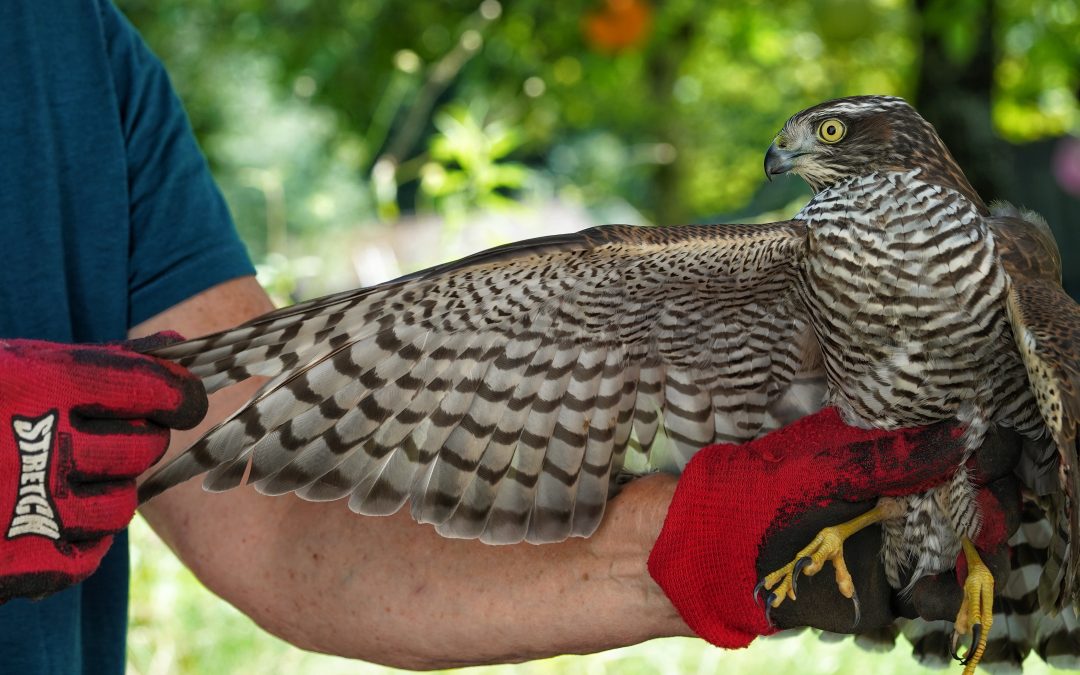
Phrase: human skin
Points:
(390, 591)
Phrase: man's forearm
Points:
(392, 591)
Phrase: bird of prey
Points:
(502, 395)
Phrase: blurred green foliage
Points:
(326, 115)
(1037, 68)
(466, 170)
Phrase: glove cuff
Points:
(686, 556)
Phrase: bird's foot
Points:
(828, 545)
(977, 610)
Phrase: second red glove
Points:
(731, 498)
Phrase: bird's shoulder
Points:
(1025, 243)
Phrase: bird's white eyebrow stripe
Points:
(882, 104)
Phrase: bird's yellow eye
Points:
(831, 130)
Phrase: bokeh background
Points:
(356, 140)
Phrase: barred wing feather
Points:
(499, 395)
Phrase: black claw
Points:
(800, 564)
(757, 593)
(768, 608)
(858, 612)
(976, 633)
(954, 646)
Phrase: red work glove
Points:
(78, 423)
(733, 501)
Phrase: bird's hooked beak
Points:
(778, 160)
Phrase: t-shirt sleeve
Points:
(182, 238)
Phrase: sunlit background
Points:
(357, 140)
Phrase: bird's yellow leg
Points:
(977, 611)
(827, 545)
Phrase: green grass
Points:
(178, 627)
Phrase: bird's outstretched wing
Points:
(500, 393)
(1046, 327)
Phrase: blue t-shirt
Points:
(108, 216)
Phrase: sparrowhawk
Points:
(502, 395)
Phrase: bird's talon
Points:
(769, 608)
(757, 593)
(855, 601)
(954, 647)
(828, 545)
(976, 612)
(800, 564)
(976, 633)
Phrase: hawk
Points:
(502, 395)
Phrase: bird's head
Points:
(855, 136)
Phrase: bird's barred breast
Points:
(907, 300)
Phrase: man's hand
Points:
(740, 511)
(78, 423)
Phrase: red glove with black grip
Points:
(78, 423)
(740, 511)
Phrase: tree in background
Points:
(324, 115)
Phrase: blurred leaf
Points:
(464, 168)
(958, 23)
